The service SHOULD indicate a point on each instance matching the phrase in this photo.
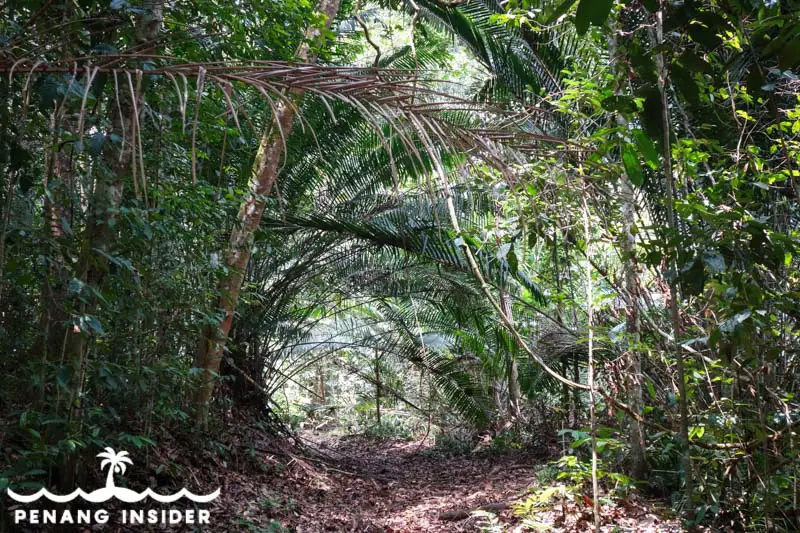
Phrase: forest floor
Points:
(360, 484)
(353, 483)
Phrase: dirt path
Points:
(379, 486)
(361, 485)
(401, 487)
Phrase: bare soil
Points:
(359, 484)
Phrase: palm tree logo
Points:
(116, 464)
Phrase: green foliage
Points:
(453, 444)
(592, 12)
(273, 504)
(391, 427)
(506, 441)
(568, 480)
(358, 292)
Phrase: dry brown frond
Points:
(382, 95)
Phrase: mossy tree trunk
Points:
(237, 256)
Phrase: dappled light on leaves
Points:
(404, 266)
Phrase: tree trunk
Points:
(105, 203)
(575, 406)
(568, 407)
(497, 396)
(319, 384)
(266, 167)
(53, 316)
(633, 375)
(62, 341)
(377, 388)
(512, 370)
(637, 458)
(590, 348)
(674, 312)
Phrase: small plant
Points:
(293, 420)
(278, 505)
(390, 428)
(505, 441)
(542, 499)
(452, 445)
(219, 448)
(569, 481)
(275, 504)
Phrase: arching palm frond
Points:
(418, 237)
(525, 63)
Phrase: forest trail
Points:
(401, 486)
(369, 485)
(572, 223)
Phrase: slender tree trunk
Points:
(673, 288)
(58, 177)
(568, 407)
(237, 256)
(10, 183)
(566, 404)
(575, 406)
(633, 375)
(5, 218)
(53, 316)
(514, 390)
(497, 396)
(320, 383)
(377, 388)
(105, 203)
(512, 368)
(590, 369)
(63, 342)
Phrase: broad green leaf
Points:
(513, 262)
(95, 144)
(694, 62)
(646, 148)
(89, 323)
(789, 56)
(619, 103)
(105, 49)
(755, 81)
(651, 113)
(560, 10)
(683, 80)
(633, 169)
(591, 12)
(650, 5)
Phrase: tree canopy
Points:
(543, 220)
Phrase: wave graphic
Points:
(107, 493)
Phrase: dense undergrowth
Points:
(568, 226)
